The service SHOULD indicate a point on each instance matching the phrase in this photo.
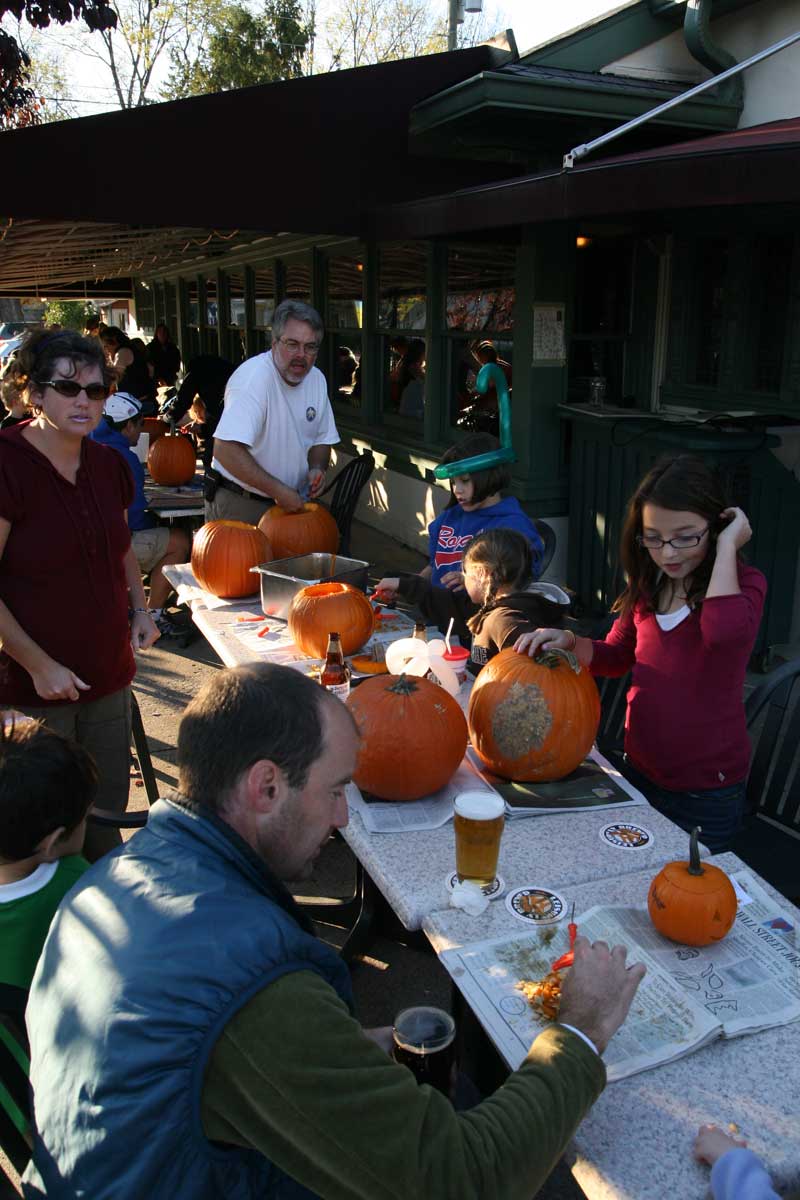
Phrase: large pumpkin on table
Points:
(223, 553)
(413, 736)
(692, 902)
(312, 530)
(323, 608)
(171, 461)
(533, 719)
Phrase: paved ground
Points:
(394, 976)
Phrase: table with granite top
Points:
(636, 1142)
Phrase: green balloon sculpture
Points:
(489, 373)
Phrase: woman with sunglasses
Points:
(68, 575)
(687, 624)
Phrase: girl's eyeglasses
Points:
(71, 388)
(687, 542)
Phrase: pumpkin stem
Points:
(695, 866)
(406, 685)
(552, 658)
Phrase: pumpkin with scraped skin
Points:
(533, 719)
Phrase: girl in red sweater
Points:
(687, 624)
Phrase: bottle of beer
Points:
(335, 675)
(420, 631)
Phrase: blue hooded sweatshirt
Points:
(453, 530)
(138, 516)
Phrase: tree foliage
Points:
(240, 48)
(360, 32)
(18, 101)
(70, 314)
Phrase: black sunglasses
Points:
(71, 388)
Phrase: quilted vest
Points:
(147, 960)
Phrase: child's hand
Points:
(387, 588)
(532, 643)
(737, 531)
(453, 580)
(711, 1143)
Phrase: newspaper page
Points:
(663, 1023)
(595, 784)
(408, 816)
(748, 981)
(690, 995)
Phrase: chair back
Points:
(15, 1107)
(548, 536)
(613, 708)
(346, 488)
(773, 720)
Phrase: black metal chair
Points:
(346, 488)
(770, 841)
(15, 1110)
(548, 536)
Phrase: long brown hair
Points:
(681, 483)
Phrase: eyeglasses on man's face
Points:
(71, 388)
(309, 349)
(687, 541)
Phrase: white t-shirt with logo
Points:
(278, 423)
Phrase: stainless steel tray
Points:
(284, 577)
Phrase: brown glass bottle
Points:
(335, 675)
(420, 631)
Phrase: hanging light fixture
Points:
(473, 6)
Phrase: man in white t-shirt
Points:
(274, 438)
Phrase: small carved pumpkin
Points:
(321, 608)
(222, 555)
(692, 903)
(413, 736)
(171, 461)
(310, 531)
(533, 719)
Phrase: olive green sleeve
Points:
(294, 1076)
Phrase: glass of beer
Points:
(478, 820)
(424, 1041)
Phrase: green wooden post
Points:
(223, 315)
(436, 345)
(249, 311)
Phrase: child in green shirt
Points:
(47, 785)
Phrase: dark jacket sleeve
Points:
(437, 604)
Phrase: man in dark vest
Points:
(192, 1040)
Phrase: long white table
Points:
(636, 1142)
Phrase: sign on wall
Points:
(549, 342)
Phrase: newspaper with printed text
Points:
(690, 995)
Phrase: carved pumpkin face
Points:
(692, 902)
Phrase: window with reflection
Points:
(234, 342)
(479, 320)
(600, 318)
(344, 310)
(194, 345)
(209, 338)
(297, 279)
(402, 317)
(259, 338)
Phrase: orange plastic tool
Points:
(568, 959)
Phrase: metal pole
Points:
(452, 26)
(581, 151)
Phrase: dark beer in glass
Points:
(424, 1041)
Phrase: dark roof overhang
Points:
(756, 166)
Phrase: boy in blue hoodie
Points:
(154, 545)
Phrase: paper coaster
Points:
(537, 906)
(626, 836)
(493, 891)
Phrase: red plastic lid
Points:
(457, 654)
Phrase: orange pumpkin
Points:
(222, 555)
(533, 719)
(171, 461)
(310, 531)
(413, 736)
(155, 428)
(319, 609)
(692, 903)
